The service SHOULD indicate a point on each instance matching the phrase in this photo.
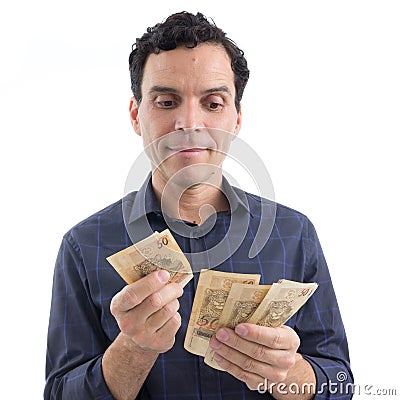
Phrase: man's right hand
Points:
(147, 311)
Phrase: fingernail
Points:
(222, 335)
(241, 330)
(163, 275)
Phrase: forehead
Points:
(201, 64)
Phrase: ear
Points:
(134, 115)
(238, 121)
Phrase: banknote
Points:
(241, 303)
(157, 251)
(212, 291)
(283, 300)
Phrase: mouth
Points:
(193, 151)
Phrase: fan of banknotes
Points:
(221, 299)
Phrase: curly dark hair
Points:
(185, 29)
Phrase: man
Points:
(111, 340)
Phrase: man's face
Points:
(191, 93)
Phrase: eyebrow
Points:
(223, 89)
(167, 89)
(162, 89)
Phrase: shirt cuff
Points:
(332, 381)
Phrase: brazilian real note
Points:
(282, 301)
(242, 302)
(211, 294)
(157, 251)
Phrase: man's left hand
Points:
(254, 354)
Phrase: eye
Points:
(214, 106)
(214, 103)
(165, 103)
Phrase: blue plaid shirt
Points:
(81, 326)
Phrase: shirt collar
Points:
(145, 202)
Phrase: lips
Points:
(188, 152)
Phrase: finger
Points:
(133, 321)
(164, 338)
(281, 338)
(275, 357)
(162, 316)
(252, 380)
(133, 294)
(155, 302)
(247, 363)
(171, 326)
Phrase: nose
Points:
(188, 117)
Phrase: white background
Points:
(321, 108)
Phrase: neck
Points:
(193, 204)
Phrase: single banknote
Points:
(282, 301)
(158, 251)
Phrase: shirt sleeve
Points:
(320, 327)
(76, 342)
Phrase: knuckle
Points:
(170, 344)
(123, 300)
(259, 353)
(168, 311)
(226, 351)
(252, 385)
(156, 300)
(114, 306)
(129, 296)
(292, 337)
(235, 340)
(242, 376)
(153, 281)
(248, 364)
(288, 361)
(177, 319)
(125, 325)
(278, 376)
(296, 342)
(291, 363)
(258, 334)
(172, 307)
(277, 339)
(178, 289)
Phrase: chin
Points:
(193, 175)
